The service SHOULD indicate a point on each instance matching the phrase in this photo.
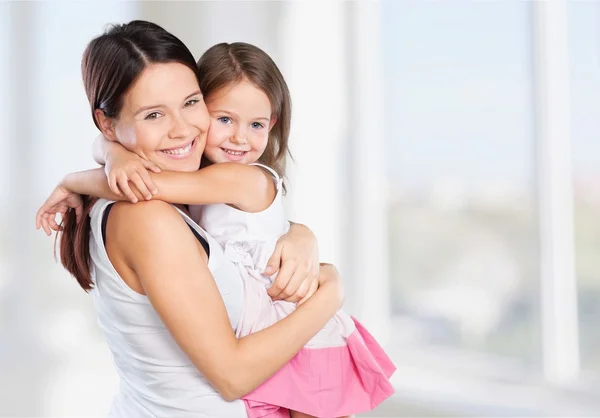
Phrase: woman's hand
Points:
(59, 201)
(122, 167)
(296, 257)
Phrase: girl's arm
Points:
(295, 256)
(102, 148)
(296, 259)
(248, 188)
(172, 268)
(123, 166)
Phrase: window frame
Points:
(558, 284)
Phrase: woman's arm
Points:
(172, 268)
(249, 188)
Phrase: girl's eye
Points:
(224, 119)
(153, 115)
(257, 125)
(191, 102)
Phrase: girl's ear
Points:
(106, 125)
(272, 122)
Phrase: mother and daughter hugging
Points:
(212, 303)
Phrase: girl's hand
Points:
(59, 201)
(297, 254)
(122, 167)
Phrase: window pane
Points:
(464, 246)
(585, 133)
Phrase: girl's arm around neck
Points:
(101, 148)
(93, 183)
(249, 188)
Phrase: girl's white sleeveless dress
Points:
(342, 370)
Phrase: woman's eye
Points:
(224, 119)
(153, 115)
(257, 125)
(191, 102)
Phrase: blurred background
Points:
(447, 154)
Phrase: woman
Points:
(165, 296)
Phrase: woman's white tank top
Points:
(157, 379)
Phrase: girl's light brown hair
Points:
(224, 64)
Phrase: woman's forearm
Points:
(261, 354)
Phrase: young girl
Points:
(342, 370)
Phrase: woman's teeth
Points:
(180, 151)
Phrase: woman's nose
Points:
(180, 128)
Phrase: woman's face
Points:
(164, 118)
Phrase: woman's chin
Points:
(185, 166)
(189, 164)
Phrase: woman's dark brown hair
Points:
(224, 64)
(110, 65)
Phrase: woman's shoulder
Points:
(145, 214)
(152, 227)
(140, 213)
(130, 222)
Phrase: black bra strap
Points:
(104, 219)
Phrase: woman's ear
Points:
(272, 122)
(106, 125)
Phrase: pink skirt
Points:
(327, 382)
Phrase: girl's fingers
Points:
(139, 183)
(112, 184)
(125, 189)
(151, 166)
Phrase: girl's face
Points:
(164, 118)
(240, 121)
